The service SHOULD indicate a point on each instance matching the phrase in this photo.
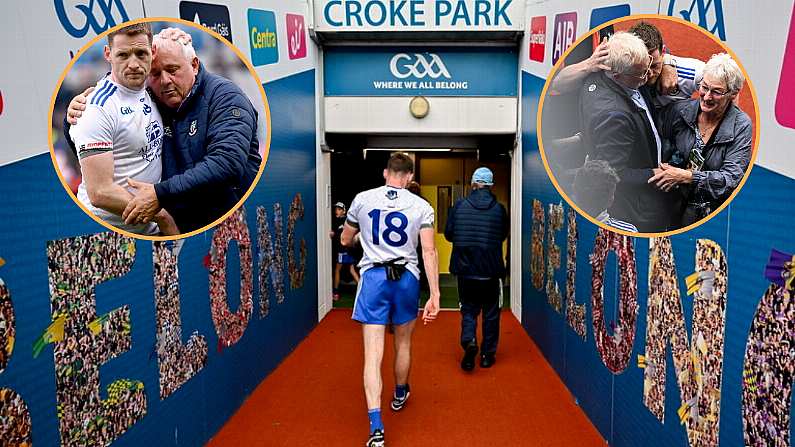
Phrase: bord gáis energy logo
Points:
(403, 65)
(215, 17)
(263, 40)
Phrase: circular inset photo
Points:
(648, 125)
(160, 129)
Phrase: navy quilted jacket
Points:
(477, 225)
(210, 152)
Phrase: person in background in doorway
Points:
(344, 258)
(477, 226)
(391, 219)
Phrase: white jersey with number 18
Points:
(389, 220)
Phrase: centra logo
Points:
(420, 66)
(99, 15)
(263, 37)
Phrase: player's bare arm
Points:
(348, 237)
(431, 259)
(103, 192)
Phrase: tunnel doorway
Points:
(443, 168)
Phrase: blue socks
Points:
(375, 420)
(401, 390)
(375, 414)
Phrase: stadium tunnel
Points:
(443, 169)
(449, 99)
(235, 339)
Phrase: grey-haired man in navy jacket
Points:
(477, 226)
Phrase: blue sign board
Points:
(411, 71)
(607, 13)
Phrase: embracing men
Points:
(190, 153)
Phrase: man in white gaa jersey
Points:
(121, 133)
(387, 221)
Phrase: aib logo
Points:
(708, 14)
(538, 38)
(564, 34)
(785, 113)
(420, 66)
(296, 37)
(94, 15)
(262, 37)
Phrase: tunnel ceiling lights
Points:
(427, 149)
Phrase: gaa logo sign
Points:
(97, 16)
(420, 66)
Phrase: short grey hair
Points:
(626, 50)
(721, 66)
(185, 45)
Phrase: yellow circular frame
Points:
(559, 64)
(264, 154)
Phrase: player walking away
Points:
(387, 222)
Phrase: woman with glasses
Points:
(707, 142)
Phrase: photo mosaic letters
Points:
(537, 246)
(7, 326)
(699, 364)
(616, 349)
(230, 326)
(575, 313)
(15, 428)
(270, 262)
(14, 415)
(85, 340)
(177, 362)
(768, 370)
(553, 256)
(296, 270)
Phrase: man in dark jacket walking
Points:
(477, 226)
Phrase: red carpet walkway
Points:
(315, 397)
